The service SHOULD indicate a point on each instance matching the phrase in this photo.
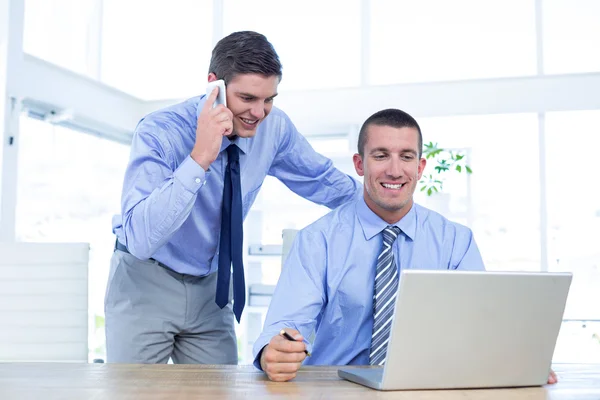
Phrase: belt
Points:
(123, 248)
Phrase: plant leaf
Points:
(98, 321)
(458, 168)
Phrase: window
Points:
(69, 188)
(571, 36)
(151, 50)
(332, 144)
(504, 202)
(318, 42)
(158, 49)
(433, 40)
(574, 207)
(578, 342)
(63, 32)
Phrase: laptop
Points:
(470, 329)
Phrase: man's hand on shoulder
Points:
(552, 378)
(281, 358)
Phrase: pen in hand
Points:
(289, 337)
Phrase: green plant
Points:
(444, 161)
(99, 339)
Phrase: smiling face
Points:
(250, 99)
(392, 167)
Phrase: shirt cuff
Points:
(257, 358)
(191, 175)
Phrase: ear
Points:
(212, 77)
(358, 164)
(422, 163)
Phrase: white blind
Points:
(44, 301)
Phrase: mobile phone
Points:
(221, 96)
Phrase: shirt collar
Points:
(372, 224)
(242, 143)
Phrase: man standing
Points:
(193, 174)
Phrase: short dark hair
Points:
(244, 52)
(389, 117)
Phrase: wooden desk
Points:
(117, 381)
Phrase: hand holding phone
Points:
(214, 122)
(221, 97)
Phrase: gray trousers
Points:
(154, 313)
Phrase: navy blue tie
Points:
(230, 248)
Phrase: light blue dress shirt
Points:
(327, 280)
(171, 208)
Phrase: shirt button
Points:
(198, 180)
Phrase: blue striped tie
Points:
(384, 297)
